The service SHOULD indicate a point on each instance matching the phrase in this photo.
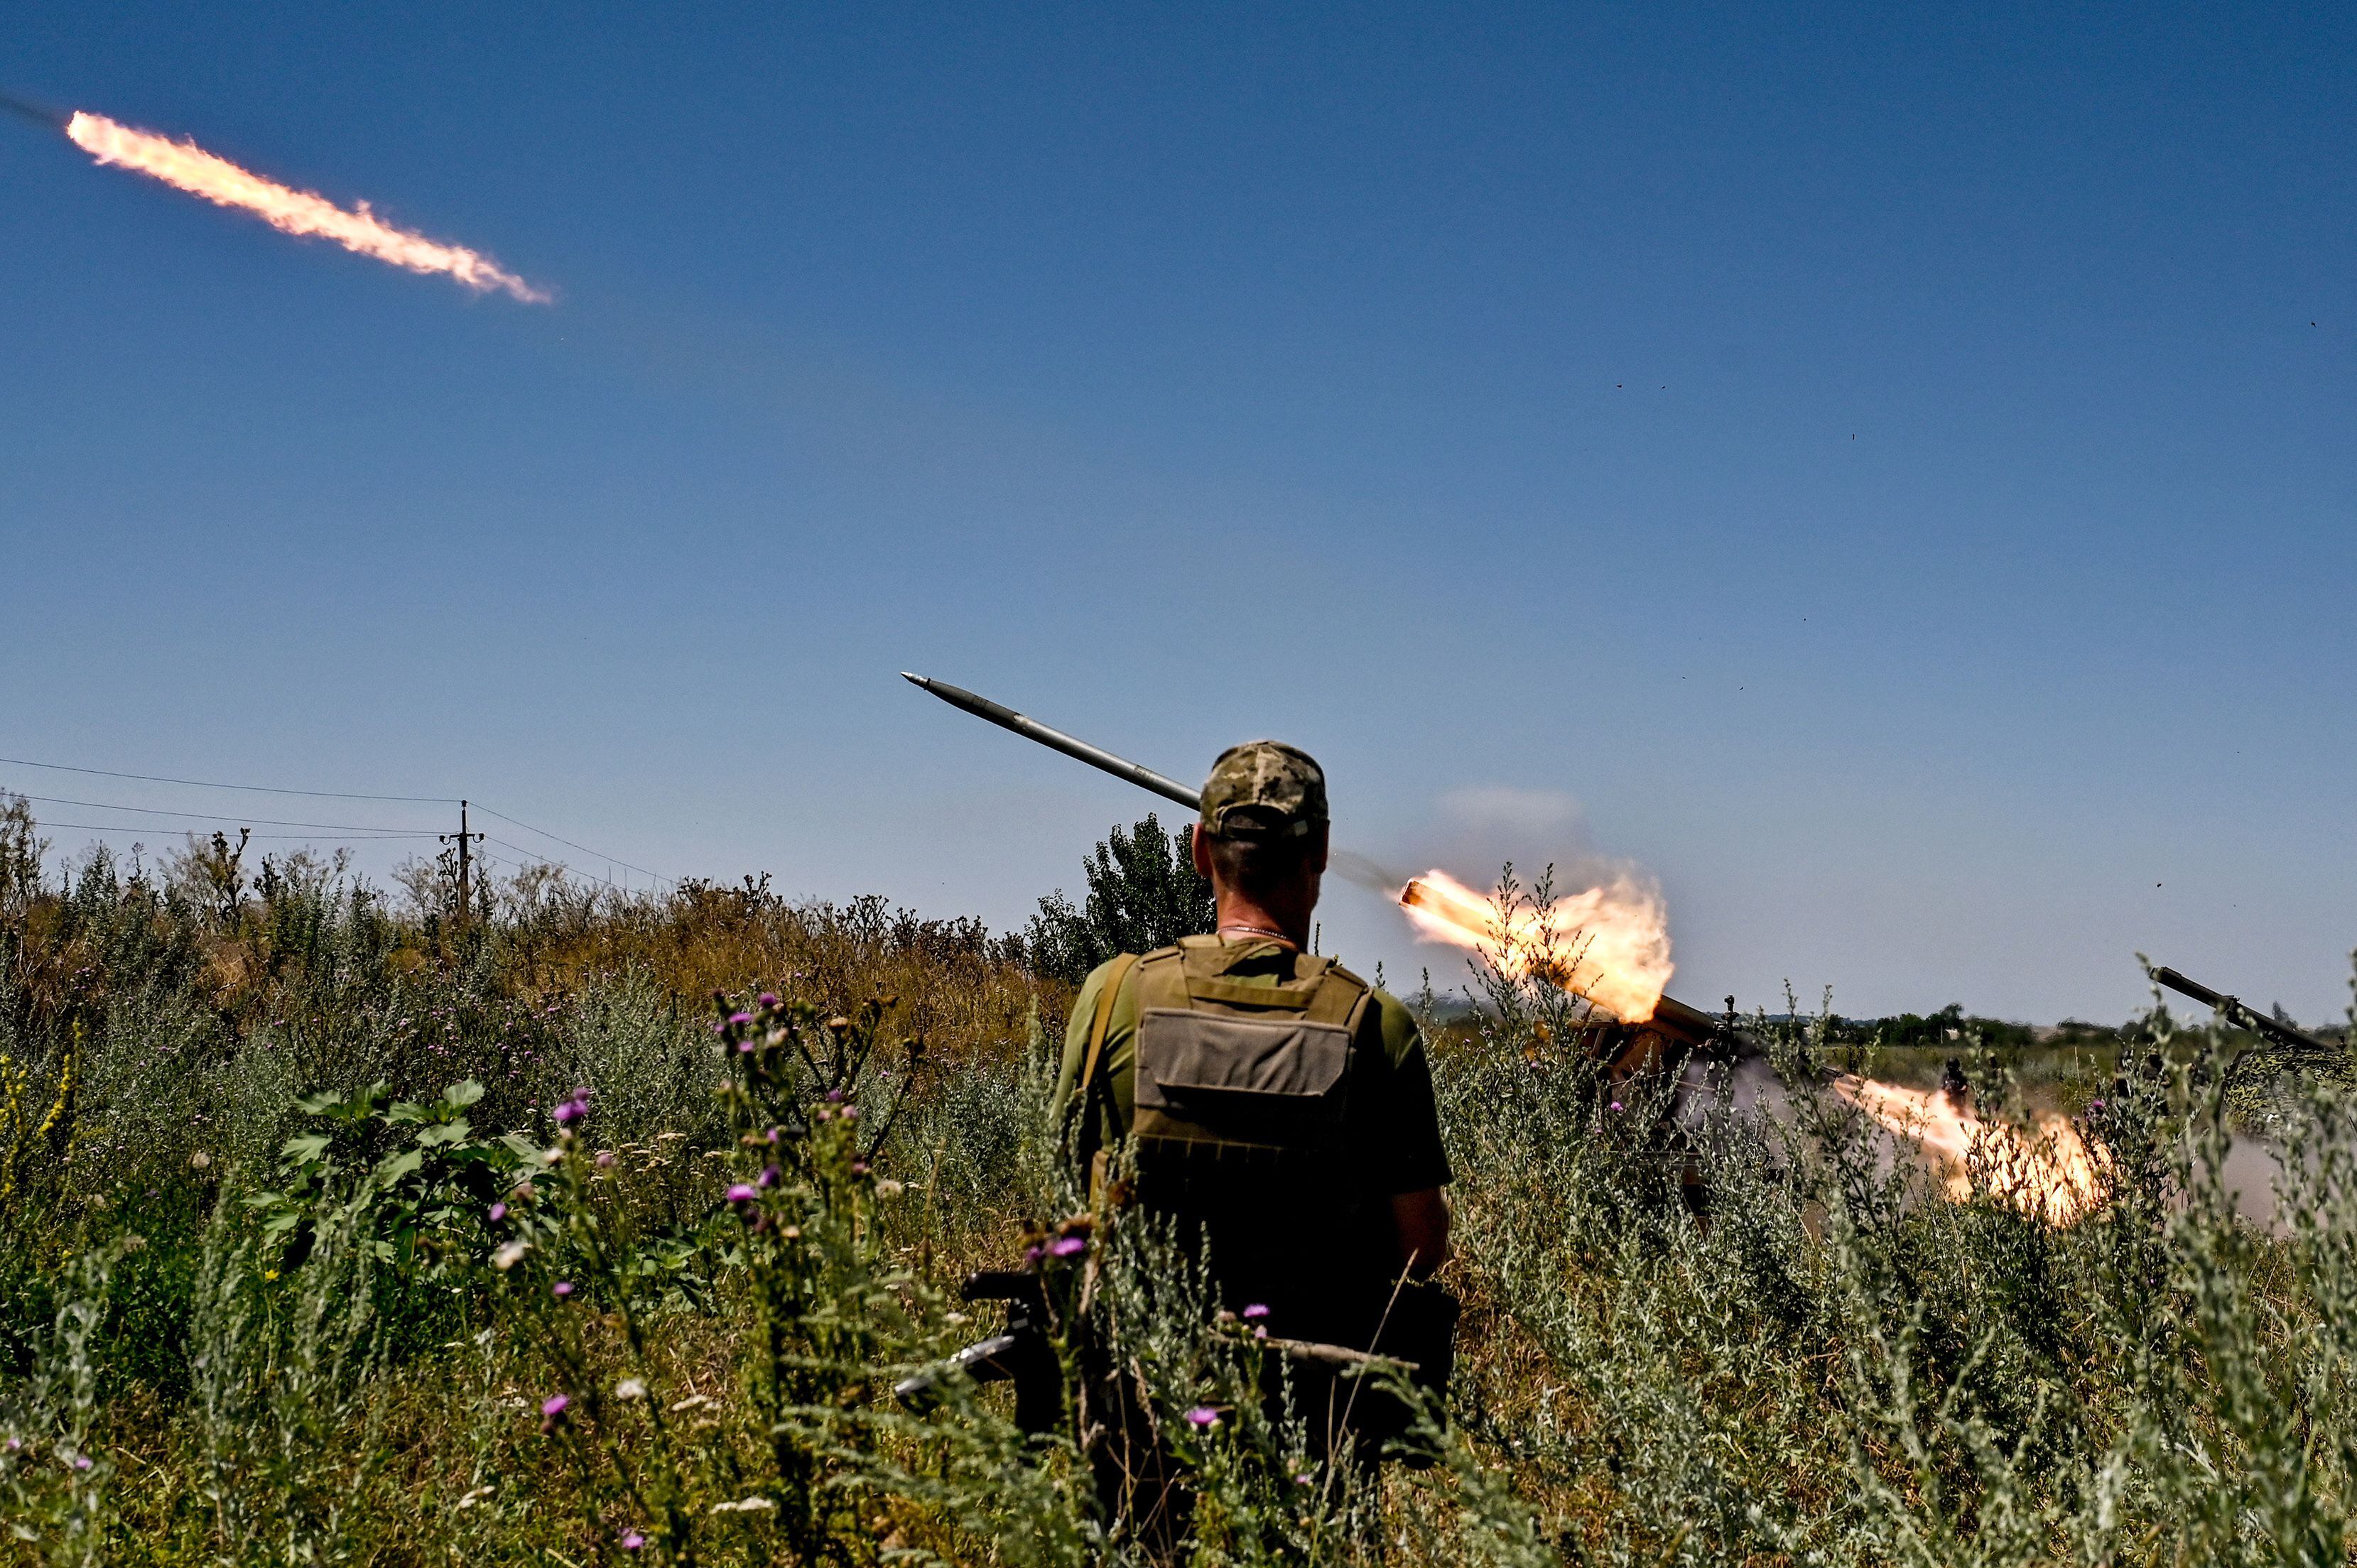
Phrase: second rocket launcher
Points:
(1677, 1023)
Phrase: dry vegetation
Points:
(256, 1308)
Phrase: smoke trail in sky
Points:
(190, 168)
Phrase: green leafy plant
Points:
(425, 1199)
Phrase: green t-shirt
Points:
(1391, 1127)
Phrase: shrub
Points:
(1144, 893)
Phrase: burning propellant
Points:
(186, 166)
(1610, 944)
(2051, 1174)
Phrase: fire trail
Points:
(186, 166)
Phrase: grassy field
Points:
(333, 1232)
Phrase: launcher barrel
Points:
(2234, 1011)
(1081, 750)
(1691, 1026)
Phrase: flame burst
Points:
(190, 168)
(1614, 938)
(2052, 1175)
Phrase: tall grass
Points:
(333, 1231)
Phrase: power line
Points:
(533, 857)
(318, 794)
(539, 859)
(249, 789)
(307, 838)
(568, 843)
(212, 817)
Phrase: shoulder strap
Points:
(1081, 1139)
(1103, 1021)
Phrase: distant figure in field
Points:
(1279, 1109)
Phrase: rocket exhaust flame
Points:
(1610, 944)
(2051, 1173)
(190, 168)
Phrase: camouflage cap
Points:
(1264, 789)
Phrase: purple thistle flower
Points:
(605, 1159)
(740, 1193)
(2094, 1105)
(768, 999)
(1071, 1247)
(770, 1175)
(82, 1461)
(632, 1541)
(740, 1017)
(554, 1406)
(560, 1289)
(499, 1212)
(851, 1113)
(1615, 1105)
(1033, 1254)
(1203, 1416)
(573, 1109)
(1255, 1310)
(834, 1097)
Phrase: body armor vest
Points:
(1239, 1093)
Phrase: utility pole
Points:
(463, 838)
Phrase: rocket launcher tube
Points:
(1081, 750)
(2234, 1011)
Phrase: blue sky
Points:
(1886, 471)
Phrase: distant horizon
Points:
(1453, 997)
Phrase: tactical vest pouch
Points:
(1206, 1068)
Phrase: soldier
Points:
(1280, 1108)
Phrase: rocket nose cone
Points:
(914, 680)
